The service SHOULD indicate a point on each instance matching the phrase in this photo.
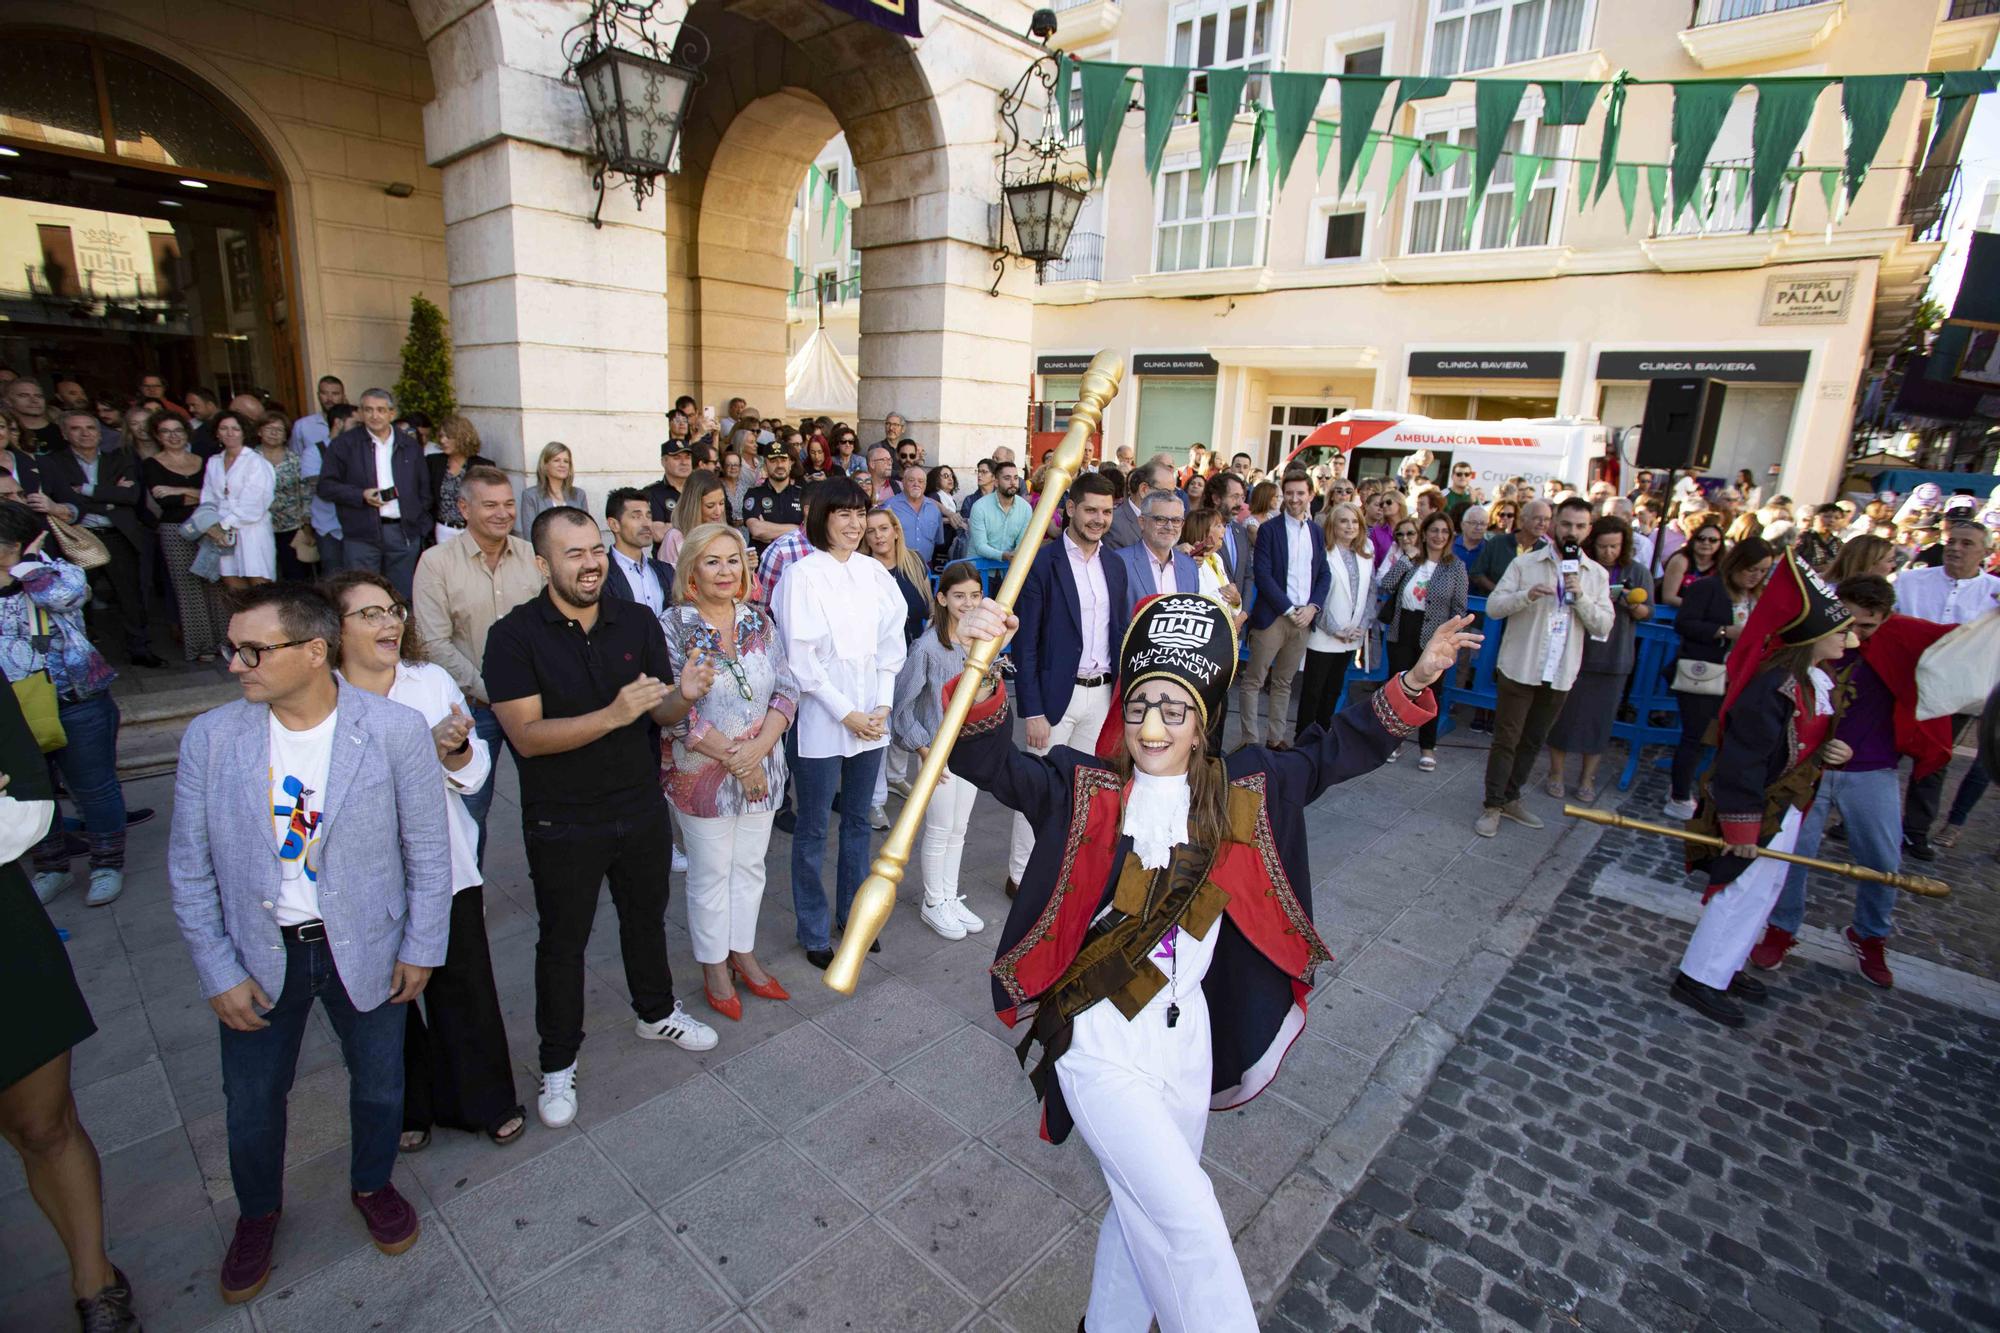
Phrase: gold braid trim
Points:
(1266, 844)
(1386, 715)
(1088, 783)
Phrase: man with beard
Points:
(1074, 608)
(579, 682)
(998, 522)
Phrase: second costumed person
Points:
(1161, 948)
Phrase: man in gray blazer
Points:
(309, 860)
(1127, 526)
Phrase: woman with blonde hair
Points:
(458, 445)
(883, 539)
(555, 484)
(1340, 632)
(1390, 512)
(1866, 554)
(703, 500)
(724, 768)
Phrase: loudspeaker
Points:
(1681, 418)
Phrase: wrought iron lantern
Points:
(1044, 213)
(1038, 179)
(637, 86)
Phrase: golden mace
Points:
(1922, 885)
(877, 895)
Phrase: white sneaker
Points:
(680, 862)
(681, 1028)
(49, 883)
(971, 920)
(1678, 809)
(901, 786)
(941, 918)
(105, 886)
(557, 1102)
(878, 818)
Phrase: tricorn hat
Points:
(1184, 637)
(1796, 608)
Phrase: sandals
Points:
(1946, 837)
(502, 1137)
(1586, 795)
(1554, 787)
(1427, 764)
(413, 1140)
(1395, 754)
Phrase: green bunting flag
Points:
(1410, 88)
(1360, 97)
(1586, 172)
(1225, 99)
(839, 227)
(1784, 109)
(1294, 98)
(1567, 101)
(1107, 91)
(1494, 107)
(1162, 86)
(827, 200)
(1699, 110)
(1401, 151)
(1367, 162)
(1829, 182)
(1527, 170)
(1607, 148)
(1954, 91)
(1324, 131)
(1628, 188)
(1656, 189)
(1867, 103)
(1065, 69)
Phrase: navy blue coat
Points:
(1049, 647)
(616, 586)
(1270, 569)
(348, 468)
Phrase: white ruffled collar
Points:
(1156, 817)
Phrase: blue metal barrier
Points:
(1651, 692)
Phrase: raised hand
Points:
(1441, 653)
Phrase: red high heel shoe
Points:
(769, 990)
(731, 1008)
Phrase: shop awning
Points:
(819, 381)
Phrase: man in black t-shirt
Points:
(580, 682)
(776, 505)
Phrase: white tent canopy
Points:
(819, 381)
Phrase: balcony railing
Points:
(1724, 205)
(1060, 5)
(1083, 261)
(1972, 9)
(1927, 206)
(1725, 11)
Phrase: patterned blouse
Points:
(746, 687)
(60, 590)
(289, 497)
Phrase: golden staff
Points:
(877, 895)
(1921, 885)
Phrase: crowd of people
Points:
(763, 639)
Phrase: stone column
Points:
(559, 329)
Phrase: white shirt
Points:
(843, 627)
(297, 794)
(385, 473)
(1093, 603)
(1163, 571)
(1156, 817)
(1343, 599)
(1417, 587)
(644, 582)
(241, 491)
(1298, 561)
(1928, 593)
(429, 689)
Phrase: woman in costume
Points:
(1161, 947)
(1775, 734)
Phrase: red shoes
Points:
(730, 1008)
(1868, 956)
(1771, 950)
(767, 990)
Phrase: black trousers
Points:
(456, 1070)
(1403, 655)
(1325, 677)
(1920, 801)
(568, 863)
(1698, 712)
(1521, 723)
(120, 579)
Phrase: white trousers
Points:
(1077, 728)
(945, 822)
(725, 882)
(1163, 1251)
(1734, 919)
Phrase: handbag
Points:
(36, 693)
(80, 546)
(1693, 677)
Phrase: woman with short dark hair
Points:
(238, 483)
(1711, 618)
(1428, 588)
(1584, 725)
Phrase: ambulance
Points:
(1575, 450)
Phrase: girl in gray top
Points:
(936, 658)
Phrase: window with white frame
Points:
(1221, 226)
(1339, 232)
(1468, 35)
(1210, 34)
(1438, 203)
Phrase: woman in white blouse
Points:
(1339, 637)
(239, 484)
(841, 618)
(456, 1071)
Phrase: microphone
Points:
(1571, 558)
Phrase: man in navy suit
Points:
(1227, 492)
(376, 479)
(1157, 564)
(1292, 577)
(633, 574)
(1073, 612)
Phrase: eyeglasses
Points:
(378, 615)
(1165, 520)
(253, 653)
(1172, 711)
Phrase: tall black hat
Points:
(1182, 637)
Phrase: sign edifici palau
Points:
(1807, 300)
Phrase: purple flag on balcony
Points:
(895, 15)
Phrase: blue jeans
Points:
(1970, 788)
(818, 781)
(89, 765)
(1872, 805)
(332, 555)
(487, 727)
(257, 1071)
(393, 555)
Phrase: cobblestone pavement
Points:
(1593, 1155)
